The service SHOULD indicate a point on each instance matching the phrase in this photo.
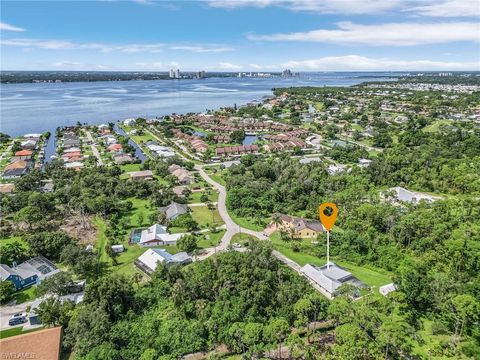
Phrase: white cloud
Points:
(392, 34)
(434, 8)
(320, 6)
(228, 66)
(53, 44)
(154, 65)
(448, 8)
(203, 49)
(67, 64)
(8, 27)
(363, 63)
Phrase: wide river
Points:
(35, 108)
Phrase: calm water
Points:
(35, 108)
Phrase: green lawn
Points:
(11, 240)
(437, 124)
(241, 238)
(213, 239)
(218, 178)
(25, 295)
(205, 217)
(101, 240)
(131, 167)
(373, 278)
(16, 331)
(247, 223)
(195, 196)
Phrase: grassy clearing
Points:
(16, 331)
(131, 167)
(101, 240)
(25, 295)
(205, 217)
(11, 240)
(195, 197)
(373, 278)
(436, 125)
(212, 240)
(247, 223)
(241, 238)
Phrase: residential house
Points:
(70, 141)
(43, 345)
(75, 165)
(29, 144)
(28, 273)
(174, 210)
(118, 248)
(6, 188)
(157, 235)
(303, 228)
(308, 160)
(364, 162)
(23, 155)
(122, 158)
(336, 169)
(141, 175)
(400, 194)
(184, 176)
(149, 260)
(387, 289)
(115, 148)
(17, 169)
(129, 122)
(328, 278)
(47, 187)
(178, 190)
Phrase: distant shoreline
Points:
(32, 77)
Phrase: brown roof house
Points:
(303, 228)
(42, 344)
(141, 175)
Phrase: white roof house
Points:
(32, 136)
(158, 235)
(28, 143)
(387, 289)
(129, 122)
(161, 151)
(308, 160)
(364, 162)
(75, 164)
(117, 248)
(149, 260)
(401, 194)
(336, 169)
(329, 278)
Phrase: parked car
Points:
(16, 319)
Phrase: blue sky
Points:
(241, 35)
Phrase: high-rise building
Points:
(171, 74)
(287, 73)
(201, 74)
(177, 74)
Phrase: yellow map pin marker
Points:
(328, 220)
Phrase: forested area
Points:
(433, 249)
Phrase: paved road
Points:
(7, 311)
(231, 226)
(94, 148)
